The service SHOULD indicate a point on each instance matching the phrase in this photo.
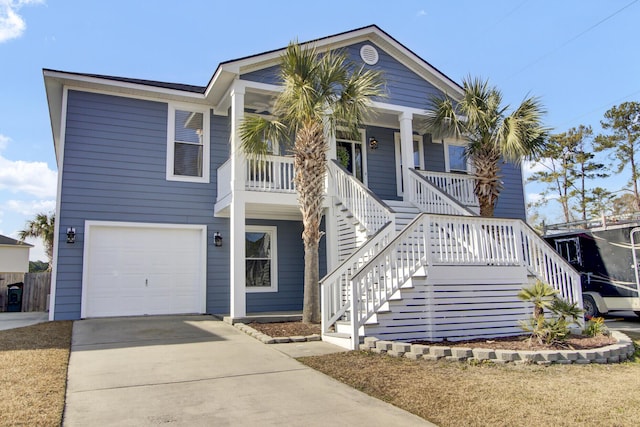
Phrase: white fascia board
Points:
(69, 79)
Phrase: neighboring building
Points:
(151, 173)
(14, 255)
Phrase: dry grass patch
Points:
(454, 394)
(33, 374)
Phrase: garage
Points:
(133, 269)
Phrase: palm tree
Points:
(319, 92)
(42, 226)
(480, 118)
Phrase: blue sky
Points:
(580, 57)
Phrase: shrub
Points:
(554, 330)
(595, 326)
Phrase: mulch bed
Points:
(286, 329)
(575, 342)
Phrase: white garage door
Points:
(138, 269)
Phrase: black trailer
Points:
(606, 254)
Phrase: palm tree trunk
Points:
(488, 183)
(310, 169)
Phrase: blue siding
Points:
(381, 163)
(115, 157)
(290, 271)
(511, 202)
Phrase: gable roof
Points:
(8, 241)
(214, 92)
(228, 70)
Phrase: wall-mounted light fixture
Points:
(71, 235)
(217, 239)
(373, 143)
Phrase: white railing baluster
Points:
(459, 186)
(270, 174)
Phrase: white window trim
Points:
(446, 144)
(171, 127)
(273, 231)
(363, 150)
(398, 153)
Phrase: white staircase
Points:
(435, 270)
(405, 212)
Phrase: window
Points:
(455, 159)
(260, 255)
(188, 144)
(569, 249)
(351, 155)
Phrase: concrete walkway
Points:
(20, 319)
(197, 371)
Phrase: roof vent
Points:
(369, 54)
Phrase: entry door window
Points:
(351, 156)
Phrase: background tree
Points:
(319, 92)
(42, 226)
(480, 118)
(556, 159)
(568, 164)
(623, 122)
(585, 168)
(624, 204)
(599, 202)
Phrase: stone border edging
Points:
(266, 339)
(613, 353)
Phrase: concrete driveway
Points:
(197, 371)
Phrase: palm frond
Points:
(444, 120)
(520, 135)
(255, 132)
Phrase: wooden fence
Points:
(35, 293)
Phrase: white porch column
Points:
(238, 306)
(406, 144)
(330, 223)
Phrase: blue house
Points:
(160, 212)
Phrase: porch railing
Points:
(365, 206)
(459, 186)
(271, 174)
(450, 240)
(432, 199)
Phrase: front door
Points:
(352, 156)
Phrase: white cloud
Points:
(30, 208)
(421, 12)
(530, 167)
(19, 176)
(34, 178)
(12, 25)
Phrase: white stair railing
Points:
(450, 240)
(365, 206)
(548, 266)
(460, 186)
(335, 287)
(432, 199)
